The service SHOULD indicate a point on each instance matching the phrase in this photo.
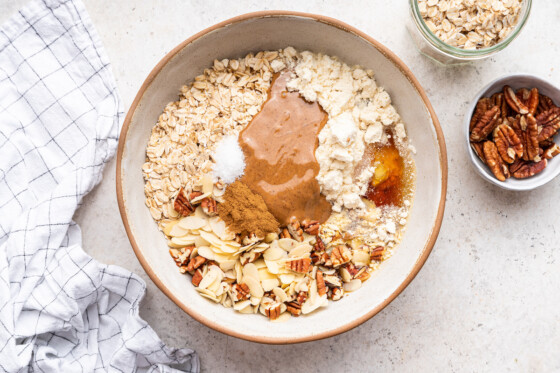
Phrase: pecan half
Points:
(272, 311)
(546, 143)
(485, 124)
(533, 101)
(295, 229)
(508, 143)
(530, 140)
(481, 108)
(321, 287)
(310, 226)
(495, 162)
(516, 165)
(301, 265)
(197, 277)
(514, 102)
(340, 255)
(549, 123)
(209, 206)
(545, 103)
(499, 101)
(551, 152)
(529, 169)
(377, 253)
(182, 204)
(478, 150)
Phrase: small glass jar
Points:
(433, 47)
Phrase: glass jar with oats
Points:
(453, 32)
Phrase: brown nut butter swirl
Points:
(279, 146)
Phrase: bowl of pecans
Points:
(267, 175)
(512, 128)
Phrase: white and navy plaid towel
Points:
(60, 113)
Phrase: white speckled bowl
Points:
(274, 30)
(515, 81)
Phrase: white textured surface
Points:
(487, 299)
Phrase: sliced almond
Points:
(192, 222)
(287, 244)
(274, 253)
(270, 284)
(352, 285)
(254, 285)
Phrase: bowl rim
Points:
(442, 160)
(481, 169)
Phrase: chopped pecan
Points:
(514, 102)
(495, 162)
(549, 123)
(351, 268)
(249, 257)
(530, 140)
(319, 244)
(240, 292)
(318, 258)
(321, 287)
(528, 169)
(333, 281)
(294, 308)
(301, 297)
(194, 195)
(310, 226)
(363, 274)
(272, 311)
(196, 262)
(485, 124)
(285, 233)
(340, 255)
(295, 229)
(301, 265)
(478, 150)
(508, 143)
(551, 152)
(197, 277)
(337, 293)
(209, 206)
(481, 108)
(182, 256)
(182, 204)
(377, 253)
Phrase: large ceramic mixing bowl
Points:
(271, 30)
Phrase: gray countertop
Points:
(487, 299)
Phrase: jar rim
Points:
(468, 53)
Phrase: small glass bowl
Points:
(433, 47)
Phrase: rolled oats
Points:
(471, 24)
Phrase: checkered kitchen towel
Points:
(60, 310)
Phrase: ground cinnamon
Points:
(245, 212)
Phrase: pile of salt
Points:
(229, 160)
